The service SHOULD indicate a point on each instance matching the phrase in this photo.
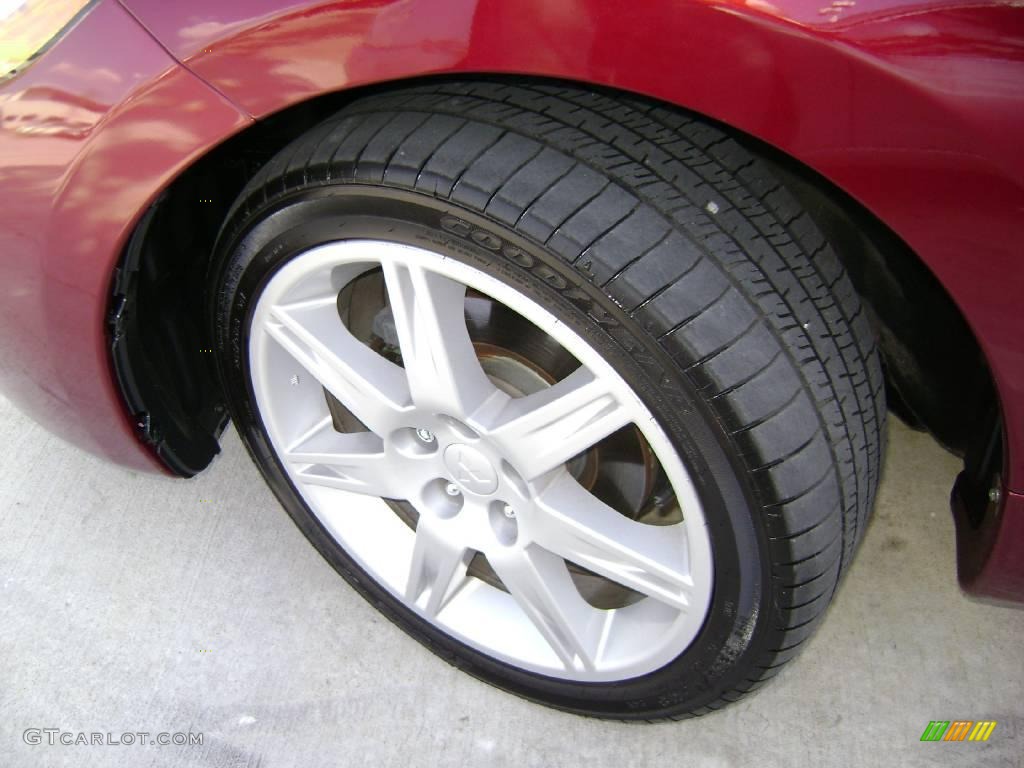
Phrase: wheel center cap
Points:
(471, 469)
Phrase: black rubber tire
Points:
(685, 262)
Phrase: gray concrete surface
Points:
(140, 603)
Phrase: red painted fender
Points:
(89, 136)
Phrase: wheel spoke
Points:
(438, 566)
(373, 388)
(650, 559)
(440, 362)
(543, 588)
(548, 428)
(350, 462)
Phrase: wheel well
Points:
(159, 333)
(936, 376)
(930, 355)
(159, 336)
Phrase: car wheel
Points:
(565, 384)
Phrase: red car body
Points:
(913, 109)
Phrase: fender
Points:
(88, 138)
(915, 109)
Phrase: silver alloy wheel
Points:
(485, 471)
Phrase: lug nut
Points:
(994, 495)
(452, 489)
(509, 512)
(425, 435)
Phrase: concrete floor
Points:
(140, 603)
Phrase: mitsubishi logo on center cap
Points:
(471, 469)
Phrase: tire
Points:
(669, 258)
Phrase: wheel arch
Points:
(177, 388)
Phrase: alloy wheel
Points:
(457, 486)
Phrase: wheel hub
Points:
(470, 469)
